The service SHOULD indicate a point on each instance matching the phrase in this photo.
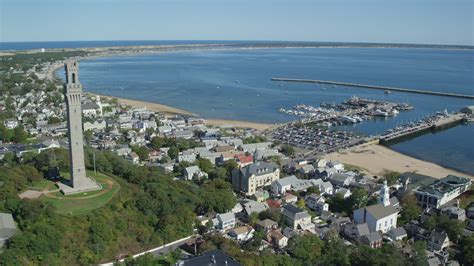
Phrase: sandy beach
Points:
(239, 124)
(376, 158)
(170, 111)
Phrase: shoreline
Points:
(236, 44)
(171, 111)
(375, 159)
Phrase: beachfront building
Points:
(442, 191)
(257, 175)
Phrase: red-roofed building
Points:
(243, 160)
(274, 203)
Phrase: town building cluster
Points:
(301, 191)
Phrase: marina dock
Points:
(420, 129)
(385, 88)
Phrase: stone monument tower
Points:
(79, 182)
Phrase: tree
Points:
(313, 190)
(307, 248)
(141, 151)
(157, 142)
(205, 165)
(173, 152)
(466, 248)
(270, 213)
(179, 168)
(53, 120)
(88, 134)
(217, 196)
(391, 177)
(453, 228)
(410, 211)
(358, 199)
(254, 139)
(337, 203)
(230, 165)
(387, 255)
(19, 134)
(218, 172)
(335, 252)
(9, 158)
(287, 150)
(6, 134)
(419, 254)
(300, 203)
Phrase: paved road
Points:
(169, 247)
(165, 249)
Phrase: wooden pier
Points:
(385, 88)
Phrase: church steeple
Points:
(384, 194)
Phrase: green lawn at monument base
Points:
(42, 184)
(87, 201)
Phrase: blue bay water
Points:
(235, 84)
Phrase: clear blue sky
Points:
(397, 21)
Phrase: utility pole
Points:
(95, 171)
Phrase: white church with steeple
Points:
(384, 197)
(99, 104)
(380, 217)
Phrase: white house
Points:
(283, 185)
(96, 125)
(344, 192)
(255, 146)
(225, 221)
(340, 180)
(295, 217)
(326, 188)
(242, 233)
(278, 239)
(133, 157)
(190, 158)
(10, 124)
(397, 234)
(251, 206)
(317, 203)
(90, 109)
(337, 165)
(193, 172)
(320, 163)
